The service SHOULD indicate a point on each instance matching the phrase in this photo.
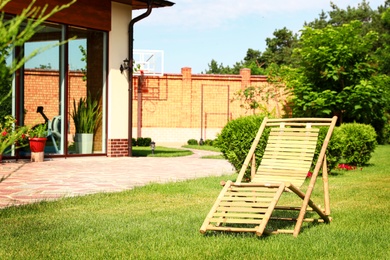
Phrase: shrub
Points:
(209, 142)
(386, 134)
(333, 151)
(133, 142)
(359, 142)
(192, 142)
(236, 139)
(141, 141)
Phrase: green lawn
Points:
(162, 221)
(159, 151)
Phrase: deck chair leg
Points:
(203, 228)
(326, 187)
(306, 202)
(271, 207)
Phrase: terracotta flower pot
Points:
(37, 144)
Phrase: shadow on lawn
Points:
(272, 225)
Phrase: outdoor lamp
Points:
(153, 146)
(124, 66)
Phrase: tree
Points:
(215, 68)
(279, 48)
(338, 16)
(14, 33)
(372, 20)
(338, 75)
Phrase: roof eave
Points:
(143, 4)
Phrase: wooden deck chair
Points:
(288, 156)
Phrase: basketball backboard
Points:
(151, 62)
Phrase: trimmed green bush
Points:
(333, 151)
(192, 142)
(144, 141)
(359, 142)
(236, 138)
(209, 142)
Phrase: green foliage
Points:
(86, 115)
(10, 134)
(144, 141)
(84, 60)
(279, 48)
(38, 131)
(236, 138)
(192, 142)
(256, 98)
(337, 76)
(209, 142)
(333, 151)
(278, 51)
(359, 143)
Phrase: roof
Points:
(143, 4)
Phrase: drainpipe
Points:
(130, 73)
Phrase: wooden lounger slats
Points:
(286, 161)
(245, 206)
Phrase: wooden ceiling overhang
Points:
(84, 13)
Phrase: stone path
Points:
(28, 182)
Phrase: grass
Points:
(203, 147)
(162, 221)
(206, 148)
(160, 151)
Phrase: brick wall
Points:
(173, 107)
(198, 104)
(41, 88)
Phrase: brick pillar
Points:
(186, 72)
(245, 78)
(187, 97)
(117, 148)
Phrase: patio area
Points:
(28, 182)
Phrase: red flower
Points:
(4, 133)
(346, 167)
(309, 174)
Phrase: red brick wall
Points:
(195, 102)
(117, 147)
(41, 88)
(188, 101)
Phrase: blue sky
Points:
(193, 32)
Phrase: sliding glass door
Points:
(53, 83)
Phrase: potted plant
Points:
(10, 135)
(87, 117)
(37, 137)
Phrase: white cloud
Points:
(209, 14)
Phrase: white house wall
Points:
(117, 82)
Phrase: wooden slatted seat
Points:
(288, 156)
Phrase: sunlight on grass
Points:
(162, 221)
(160, 151)
(203, 147)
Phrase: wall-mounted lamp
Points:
(125, 65)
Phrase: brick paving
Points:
(29, 182)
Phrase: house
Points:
(88, 65)
(169, 108)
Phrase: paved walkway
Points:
(28, 182)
